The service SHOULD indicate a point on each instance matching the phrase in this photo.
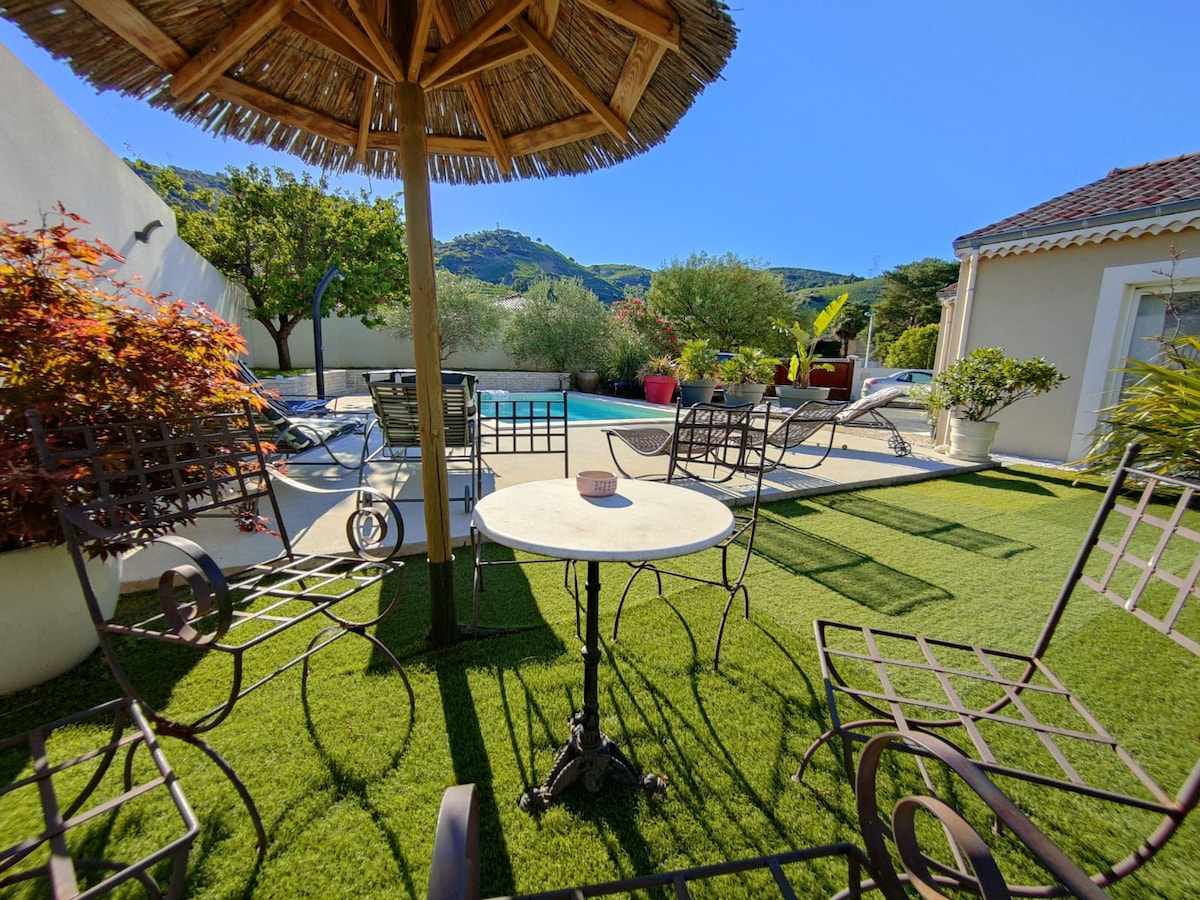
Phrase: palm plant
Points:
(1160, 411)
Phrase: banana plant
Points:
(803, 361)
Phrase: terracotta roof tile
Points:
(1120, 191)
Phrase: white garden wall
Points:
(54, 157)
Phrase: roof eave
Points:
(966, 244)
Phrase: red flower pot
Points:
(659, 388)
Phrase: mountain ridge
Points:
(512, 260)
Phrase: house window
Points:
(1156, 319)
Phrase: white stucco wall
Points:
(1073, 306)
(54, 157)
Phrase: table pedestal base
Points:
(594, 766)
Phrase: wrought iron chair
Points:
(713, 444)
(788, 429)
(698, 439)
(53, 854)
(395, 401)
(131, 484)
(968, 862)
(533, 423)
(1142, 553)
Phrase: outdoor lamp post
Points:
(870, 332)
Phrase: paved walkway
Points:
(317, 522)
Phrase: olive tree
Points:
(725, 300)
(468, 316)
(561, 326)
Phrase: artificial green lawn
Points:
(349, 783)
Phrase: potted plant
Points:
(746, 375)
(804, 359)
(978, 386)
(74, 347)
(697, 371)
(658, 378)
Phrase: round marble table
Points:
(642, 520)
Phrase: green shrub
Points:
(1160, 410)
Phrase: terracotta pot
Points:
(972, 441)
(659, 388)
(45, 627)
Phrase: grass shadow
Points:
(911, 522)
(508, 600)
(854, 576)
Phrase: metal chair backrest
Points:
(124, 484)
(526, 422)
(1141, 555)
(715, 438)
(396, 404)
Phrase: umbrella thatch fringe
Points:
(522, 96)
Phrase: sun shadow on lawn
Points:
(507, 603)
(910, 522)
(711, 773)
(854, 576)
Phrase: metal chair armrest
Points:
(1075, 879)
(454, 872)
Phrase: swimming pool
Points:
(580, 407)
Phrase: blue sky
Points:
(850, 137)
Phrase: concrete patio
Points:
(316, 522)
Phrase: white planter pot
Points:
(972, 441)
(45, 628)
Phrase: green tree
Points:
(725, 300)
(561, 326)
(909, 295)
(850, 322)
(468, 316)
(277, 236)
(914, 349)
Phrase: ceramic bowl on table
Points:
(596, 483)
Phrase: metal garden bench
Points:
(132, 484)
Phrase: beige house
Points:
(1081, 280)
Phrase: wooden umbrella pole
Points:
(427, 349)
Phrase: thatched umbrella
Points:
(453, 90)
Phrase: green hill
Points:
(864, 289)
(516, 261)
(512, 261)
(192, 179)
(801, 279)
(624, 276)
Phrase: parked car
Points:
(905, 380)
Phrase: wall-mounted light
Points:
(144, 234)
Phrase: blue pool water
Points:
(580, 407)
